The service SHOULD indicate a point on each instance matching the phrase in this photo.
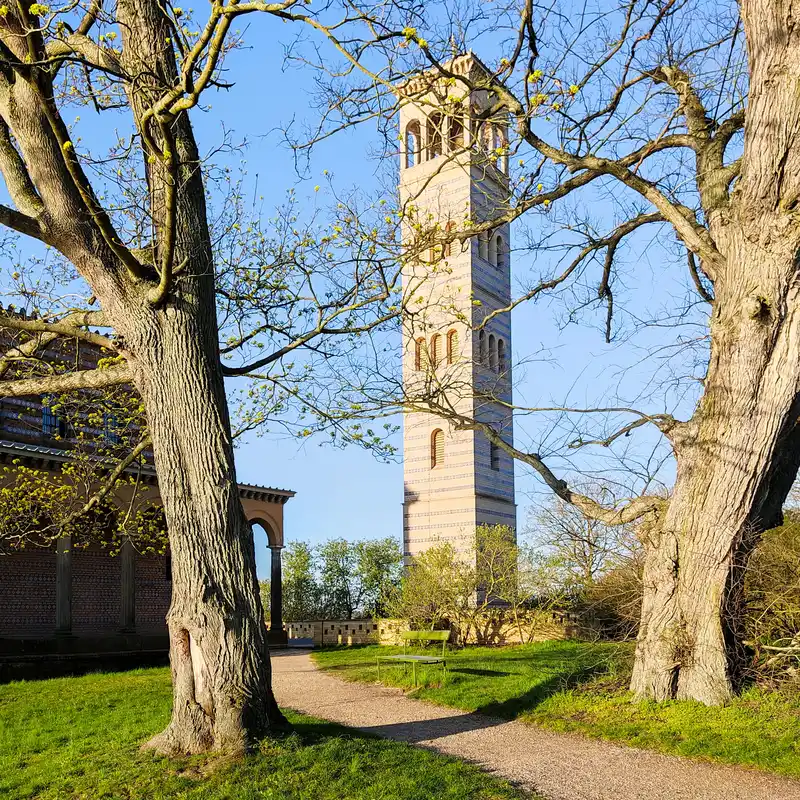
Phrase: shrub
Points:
(612, 605)
(772, 600)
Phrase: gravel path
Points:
(558, 766)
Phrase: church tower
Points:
(456, 339)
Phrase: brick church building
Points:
(65, 608)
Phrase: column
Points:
(277, 636)
(128, 587)
(64, 585)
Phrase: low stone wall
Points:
(328, 632)
(498, 627)
(300, 630)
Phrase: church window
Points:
(483, 245)
(452, 347)
(456, 133)
(434, 136)
(436, 347)
(448, 245)
(499, 252)
(493, 242)
(420, 353)
(437, 448)
(494, 456)
(412, 144)
(52, 423)
(492, 353)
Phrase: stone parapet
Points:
(495, 627)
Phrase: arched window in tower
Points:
(448, 245)
(492, 258)
(483, 245)
(434, 136)
(420, 354)
(499, 252)
(486, 137)
(497, 144)
(501, 356)
(456, 132)
(412, 144)
(452, 347)
(436, 350)
(492, 353)
(494, 456)
(504, 144)
(482, 347)
(437, 448)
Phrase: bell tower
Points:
(456, 338)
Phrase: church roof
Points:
(43, 457)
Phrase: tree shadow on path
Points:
(425, 730)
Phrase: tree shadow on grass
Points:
(491, 673)
(541, 691)
(314, 731)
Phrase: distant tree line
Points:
(338, 579)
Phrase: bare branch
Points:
(18, 181)
(89, 18)
(72, 325)
(698, 283)
(68, 382)
(109, 484)
(22, 223)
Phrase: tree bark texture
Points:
(222, 698)
(739, 454)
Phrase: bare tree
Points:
(133, 225)
(585, 548)
(680, 116)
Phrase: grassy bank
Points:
(79, 738)
(580, 687)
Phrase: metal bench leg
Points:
(379, 670)
(414, 671)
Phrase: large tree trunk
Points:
(739, 454)
(218, 649)
(737, 459)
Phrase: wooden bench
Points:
(408, 658)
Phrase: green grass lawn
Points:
(79, 738)
(580, 687)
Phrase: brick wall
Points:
(153, 593)
(96, 591)
(28, 593)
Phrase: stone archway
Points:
(264, 507)
(276, 635)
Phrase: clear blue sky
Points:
(348, 493)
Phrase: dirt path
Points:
(558, 766)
